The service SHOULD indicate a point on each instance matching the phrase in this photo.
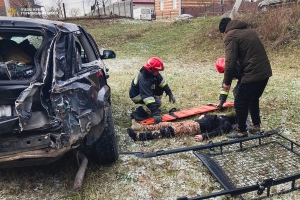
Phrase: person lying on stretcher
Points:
(212, 125)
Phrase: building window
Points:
(174, 4)
(161, 4)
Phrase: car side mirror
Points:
(107, 54)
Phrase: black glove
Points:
(169, 93)
(157, 119)
(220, 106)
(222, 98)
(171, 98)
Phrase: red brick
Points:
(2, 4)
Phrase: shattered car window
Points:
(17, 56)
(36, 41)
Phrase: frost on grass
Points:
(165, 177)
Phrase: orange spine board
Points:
(187, 113)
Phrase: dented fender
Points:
(79, 111)
(103, 99)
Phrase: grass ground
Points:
(189, 49)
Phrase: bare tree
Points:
(92, 4)
(103, 3)
(88, 4)
(74, 12)
(60, 7)
(52, 12)
(57, 8)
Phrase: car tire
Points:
(106, 147)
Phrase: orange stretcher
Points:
(187, 113)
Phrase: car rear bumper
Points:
(34, 157)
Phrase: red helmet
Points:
(154, 64)
(220, 65)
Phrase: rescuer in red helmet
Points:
(147, 88)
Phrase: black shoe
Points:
(132, 134)
(137, 117)
(139, 114)
(255, 130)
(237, 135)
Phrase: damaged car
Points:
(266, 4)
(54, 95)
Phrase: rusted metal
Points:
(80, 174)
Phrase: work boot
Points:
(148, 135)
(139, 114)
(132, 134)
(136, 116)
(167, 132)
(145, 136)
(237, 135)
(255, 129)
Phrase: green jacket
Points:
(243, 44)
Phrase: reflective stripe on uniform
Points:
(149, 100)
(226, 92)
(135, 80)
(163, 83)
(136, 98)
(147, 110)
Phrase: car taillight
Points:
(99, 74)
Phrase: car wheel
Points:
(106, 147)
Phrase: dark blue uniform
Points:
(147, 89)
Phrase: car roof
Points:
(23, 22)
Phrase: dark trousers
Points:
(157, 94)
(156, 104)
(247, 99)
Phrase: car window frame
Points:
(37, 56)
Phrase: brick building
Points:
(167, 8)
(2, 8)
(24, 8)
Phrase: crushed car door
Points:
(76, 93)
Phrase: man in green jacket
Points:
(243, 44)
